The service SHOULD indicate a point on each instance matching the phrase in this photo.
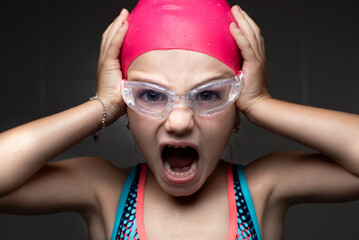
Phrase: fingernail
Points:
(238, 8)
(122, 11)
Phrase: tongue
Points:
(179, 158)
(179, 162)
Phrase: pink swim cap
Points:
(195, 25)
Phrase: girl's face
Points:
(183, 148)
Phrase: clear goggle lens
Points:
(156, 101)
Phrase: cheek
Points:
(223, 122)
(140, 126)
(217, 130)
(143, 129)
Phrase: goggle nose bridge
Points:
(183, 98)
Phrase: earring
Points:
(238, 123)
(236, 129)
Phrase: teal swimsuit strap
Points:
(122, 202)
(248, 198)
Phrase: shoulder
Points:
(103, 182)
(268, 178)
(75, 184)
(274, 174)
(92, 177)
(98, 175)
(272, 168)
(291, 177)
(93, 170)
(98, 167)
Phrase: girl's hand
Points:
(249, 40)
(109, 73)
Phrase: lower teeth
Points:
(180, 174)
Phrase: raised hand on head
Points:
(109, 73)
(251, 44)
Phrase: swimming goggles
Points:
(156, 101)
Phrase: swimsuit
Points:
(129, 217)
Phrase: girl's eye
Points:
(207, 96)
(152, 96)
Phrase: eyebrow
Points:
(221, 76)
(140, 79)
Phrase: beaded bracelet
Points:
(96, 136)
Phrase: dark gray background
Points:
(49, 52)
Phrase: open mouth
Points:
(180, 163)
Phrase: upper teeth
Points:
(171, 146)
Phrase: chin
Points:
(181, 191)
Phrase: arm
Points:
(334, 134)
(26, 149)
(65, 186)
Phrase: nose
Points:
(180, 120)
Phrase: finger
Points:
(104, 37)
(114, 47)
(257, 32)
(114, 28)
(243, 43)
(246, 28)
(102, 50)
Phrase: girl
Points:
(184, 191)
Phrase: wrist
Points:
(255, 110)
(111, 111)
(114, 110)
(98, 134)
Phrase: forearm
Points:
(25, 149)
(335, 134)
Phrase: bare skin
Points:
(92, 186)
